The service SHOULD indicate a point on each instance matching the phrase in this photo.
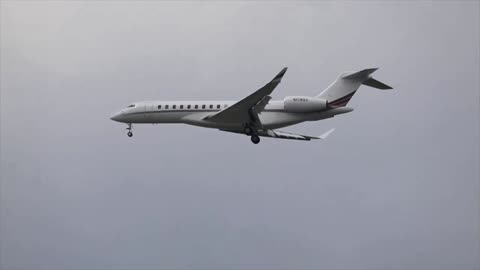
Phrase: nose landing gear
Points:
(129, 128)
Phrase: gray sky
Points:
(396, 186)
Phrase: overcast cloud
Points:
(396, 186)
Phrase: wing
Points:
(240, 111)
(286, 135)
(292, 136)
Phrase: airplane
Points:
(257, 115)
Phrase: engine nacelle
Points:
(300, 104)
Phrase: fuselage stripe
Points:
(342, 99)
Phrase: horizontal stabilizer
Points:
(361, 75)
(376, 84)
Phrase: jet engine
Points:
(300, 104)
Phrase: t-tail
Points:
(339, 93)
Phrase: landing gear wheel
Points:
(129, 128)
(255, 139)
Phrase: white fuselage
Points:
(256, 115)
(194, 113)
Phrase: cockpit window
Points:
(131, 106)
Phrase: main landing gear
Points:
(252, 132)
(255, 139)
(129, 128)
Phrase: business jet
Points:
(257, 115)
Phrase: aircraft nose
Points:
(117, 117)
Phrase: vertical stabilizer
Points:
(340, 92)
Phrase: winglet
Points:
(280, 75)
(325, 135)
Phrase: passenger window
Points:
(218, 106)
(159, 107)
(131, 106)
(196, 106)
(181, 106)
(174, 106)
(211, 106)
(166, 106)
(188, 106)
(203, 106)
